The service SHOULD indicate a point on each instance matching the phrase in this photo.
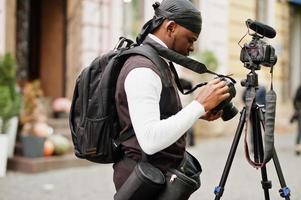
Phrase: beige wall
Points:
(2, 26)
(94, 27)
(294, 50)
(282, 48)
(240, 11)
(10, 27)
(73, 44)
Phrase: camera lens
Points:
(229, 111)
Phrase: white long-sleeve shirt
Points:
(143, 89)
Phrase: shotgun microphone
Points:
(261, 28)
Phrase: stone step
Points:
(41, 164)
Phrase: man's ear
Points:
(170, 27)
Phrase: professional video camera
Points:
(254, 54)
(258, 52)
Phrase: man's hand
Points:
(212, 94)
(209, 116)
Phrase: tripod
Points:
(256, 119)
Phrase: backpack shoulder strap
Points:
(150, 53)
(147, 51)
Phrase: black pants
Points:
(122, 170)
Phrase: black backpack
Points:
(93, 117)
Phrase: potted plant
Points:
(10, 101)
(34, 120)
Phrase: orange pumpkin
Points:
(48, 148)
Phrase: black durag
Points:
(183, 12)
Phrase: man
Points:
(297, 117)
(149, 103)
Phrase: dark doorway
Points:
(41, 43)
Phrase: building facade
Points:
(54, 39)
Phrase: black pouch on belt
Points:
(182, 182)
(145, 182)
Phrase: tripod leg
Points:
(298, 149)
(219, 190)
(284, 191)
(256, 121)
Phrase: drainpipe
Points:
(65, 75)
(2, 27)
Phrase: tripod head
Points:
(251, 85)
(251, 80)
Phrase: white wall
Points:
(116, 21)
(295, 52)
(2, 27)
(90, 32)
(148, 9)
(101, 27)
(214, 35)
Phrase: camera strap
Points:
(184, 61)
(268, 125)
(250, 97)
(270, 114)
(178, 58)
(177, 80)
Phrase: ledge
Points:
(35, 165)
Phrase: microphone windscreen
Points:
(261, 28)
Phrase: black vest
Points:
(170, 104)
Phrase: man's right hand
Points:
(212, 94)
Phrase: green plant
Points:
(10, 98)
(32, 95)
(33, 117)
(208, 58)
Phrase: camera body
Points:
(229, 110)
(259, 53)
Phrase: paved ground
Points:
(95, 182)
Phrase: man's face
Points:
(183, 40)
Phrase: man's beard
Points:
(173, 47)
